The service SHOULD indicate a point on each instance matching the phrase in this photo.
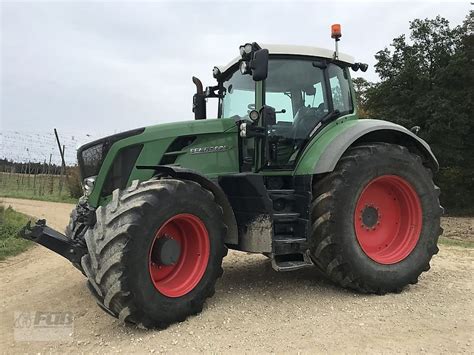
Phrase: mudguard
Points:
(219, 195)
(325, 150)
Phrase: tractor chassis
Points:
(271, 214)
(264, 214)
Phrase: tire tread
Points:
(107, 244)
(325, 250)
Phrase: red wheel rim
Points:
(388, 219)
(181, 277)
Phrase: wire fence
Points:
(31, 165)
(40, 147)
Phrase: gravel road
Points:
(255, 309)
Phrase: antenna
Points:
(336, 34)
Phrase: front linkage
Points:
(71, 246)
(71, 249)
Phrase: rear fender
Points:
(323, 153)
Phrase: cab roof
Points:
(296, 50)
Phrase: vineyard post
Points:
(29, 175)
(34, 179)
(50, 175)
(41, 182)
(63, 163)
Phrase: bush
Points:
(74, 182)
(457, 190)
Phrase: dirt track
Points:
(254, 309)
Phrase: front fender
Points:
(325, 150)
(219, 195)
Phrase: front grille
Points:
(120, 171)
(91, 155)
(92, 158)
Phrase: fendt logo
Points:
(204, 150)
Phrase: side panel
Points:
(323, 153)
(212, 164)
(157, 139)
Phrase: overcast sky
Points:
(103, 67)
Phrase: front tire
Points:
(155, 252)
(376, 219)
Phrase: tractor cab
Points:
(281, 96)
(303, 90)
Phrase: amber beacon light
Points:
(336, 31)
(336, 34)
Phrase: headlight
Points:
(88, 185)
(216, 72)
(243, 130)
(248, 48)
(244, 68)
(254, 115)
(245, 51)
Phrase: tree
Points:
(428, 81)
(361, 87)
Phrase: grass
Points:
(39, 187)
(456, 242)
(10, 223)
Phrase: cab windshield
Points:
(238, 95)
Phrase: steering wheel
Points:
(305, 119)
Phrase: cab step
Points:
(282, 239)
(286, 217)
(291, 262)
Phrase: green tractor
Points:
(286, 170)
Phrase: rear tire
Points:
(376, 219)
(122, 266)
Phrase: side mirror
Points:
(199, 100)
(259, 65)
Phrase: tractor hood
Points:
(207, 146)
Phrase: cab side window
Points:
(280, 101)
(314, 98)
(340, 89)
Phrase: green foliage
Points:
(428, 81)
(10, 223)
(361, 87)
(456, 184)
(74, 182)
